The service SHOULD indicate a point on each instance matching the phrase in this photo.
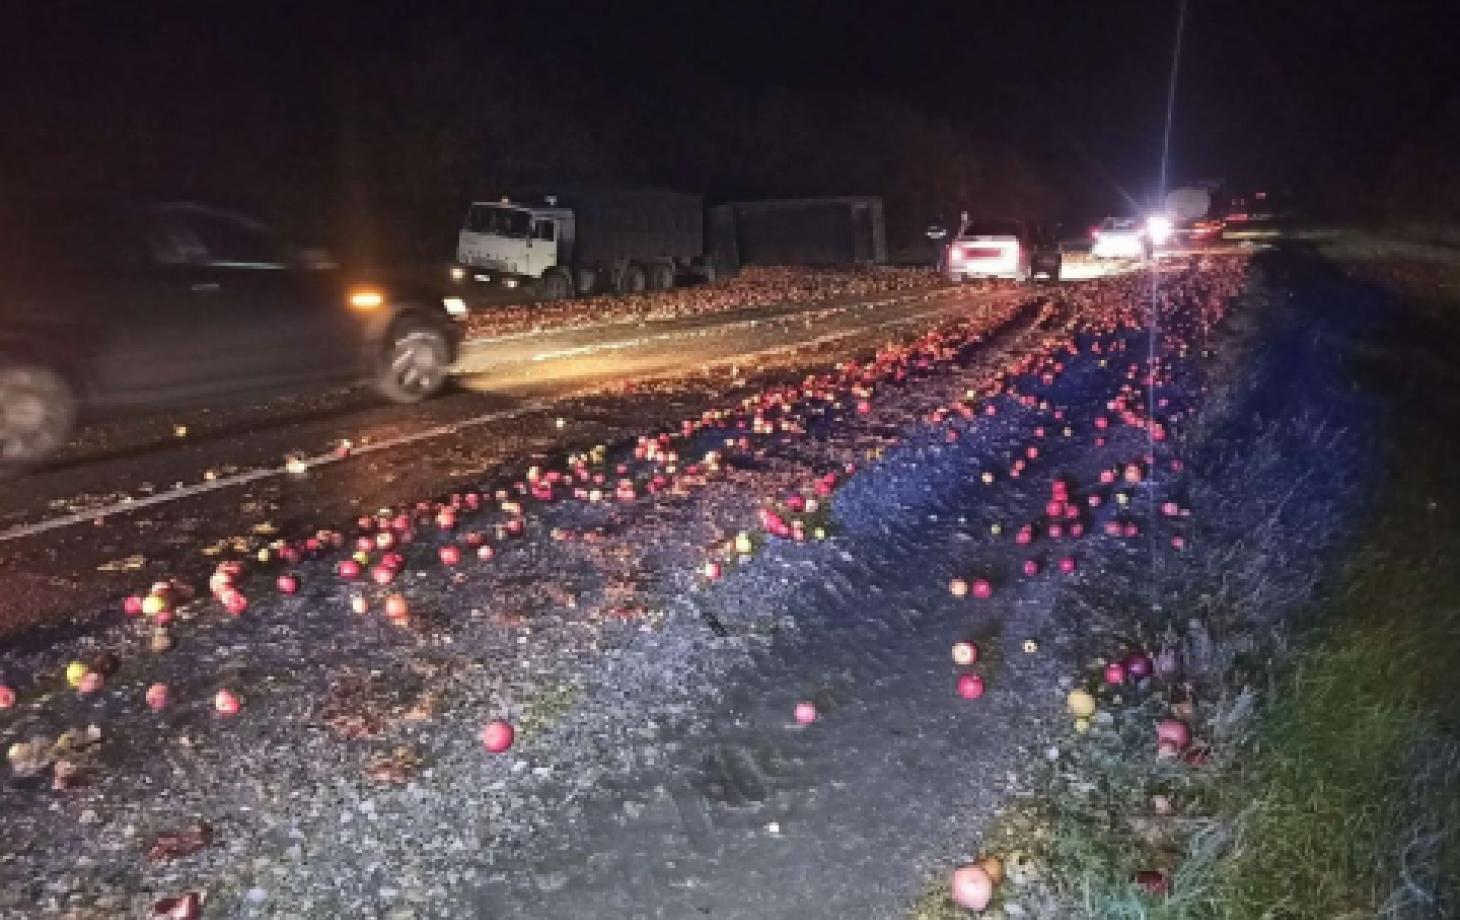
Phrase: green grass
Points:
(1342, 799)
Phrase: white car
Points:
(1120, 238)
(1000, 249)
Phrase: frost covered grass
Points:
(1333, 790)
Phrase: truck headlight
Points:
(454, 305)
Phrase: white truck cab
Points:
(628, 241)
(515, 242)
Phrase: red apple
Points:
(1173, 732)
(157, 696)
(7, 696)
(498, 736)
(1115, 673)
(288, 584)
(1138, 665)
(234, 602)
(970, 686)
(972, 888)
(450, 555)
(805, 712)
(982, 588)
(226, 703)
(396, 608)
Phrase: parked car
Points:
(108, 304)
(1001, 249)
(1120, 238)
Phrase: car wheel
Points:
(632, 280)
(37, 413)
(556, 285)
(415, 365)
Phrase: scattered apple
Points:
(1081, 703)
(396, 608)
(226, 703)
(972, 888)
(498, 736)
(1173, 732)
(970, 686)
(964, 653)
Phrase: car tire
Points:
(37, 412)
(557, 284)
(632, 279)
(414, 364)
(661, 276)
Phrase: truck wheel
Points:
(557, 284)
(37, 413)
(415, 363)
(631, 280)
(661, 276)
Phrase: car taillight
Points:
(982, 252)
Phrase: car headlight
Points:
(454, 305)
(458, 273)
(1159, 228)
(366, 298)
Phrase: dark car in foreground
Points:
(109, 305)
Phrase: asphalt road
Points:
(161, 495)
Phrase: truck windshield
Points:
(499, 221)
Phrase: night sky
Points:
(354, 108)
